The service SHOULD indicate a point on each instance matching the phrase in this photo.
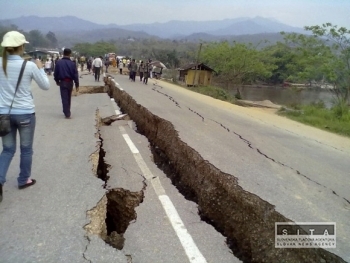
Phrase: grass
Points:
(215, 92)
(335, 120)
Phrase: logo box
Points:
(305, 235)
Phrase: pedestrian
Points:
(133, 70)
(140, 70)
(89, 65)
(146, 73)
(82, 62)
(120, 68)
(22, 109)
(130, 73)
(65, 74)
(107, 64)
(150, 69)
(48, 66)
(97, 64)
(101, 71)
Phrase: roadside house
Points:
(196, 74)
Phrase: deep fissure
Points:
(250, 145)
(244, 218)
(102, 167)
(120, 212)
(114, 212)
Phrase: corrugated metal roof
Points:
(193, 66)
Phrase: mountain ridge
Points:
(168, 30)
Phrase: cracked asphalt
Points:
(45, 223)
(300, 170)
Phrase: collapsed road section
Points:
(247, 221)
(110, 218)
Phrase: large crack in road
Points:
(250, 145)
(110, 218)
(245, 219)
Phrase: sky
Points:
(298, 13)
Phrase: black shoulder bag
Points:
(5, 124)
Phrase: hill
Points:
(171, 30)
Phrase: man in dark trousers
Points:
(65, 74)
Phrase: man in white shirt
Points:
(97, 64)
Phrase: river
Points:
(287, 96)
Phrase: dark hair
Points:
(67, 52)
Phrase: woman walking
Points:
(19, 104)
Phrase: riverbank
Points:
(318, 116)
(315, 114)
(270, 116)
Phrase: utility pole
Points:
(195, 71)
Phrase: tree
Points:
(309, 59)
(339, 71)
(282, 57)
(97, 49)
(52, 38)
(236, 64)
(37, 39)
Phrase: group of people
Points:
(16, 75)
(94, 65)
(143, 69)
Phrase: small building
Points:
(42, 53)
(196, 74)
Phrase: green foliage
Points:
(97, 49)
(237, 63)
(336, 120)
(52, 39)
(339, 39)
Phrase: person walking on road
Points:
(48, 66)
(133, 70)
(65, 74)
(22, 114)
(145, 73)
(140, 70)
(89, 65)
(120, 68)
(97, 64)
(107, 63)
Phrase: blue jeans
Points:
(25, 124)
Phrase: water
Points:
(287, 96)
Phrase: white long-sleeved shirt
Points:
(97, 63)
(23, 103)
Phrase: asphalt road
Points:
(293, 167)
(46, 222)
(302, 171)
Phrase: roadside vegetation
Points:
(335, 120)
(321, 60)
(215, 92)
